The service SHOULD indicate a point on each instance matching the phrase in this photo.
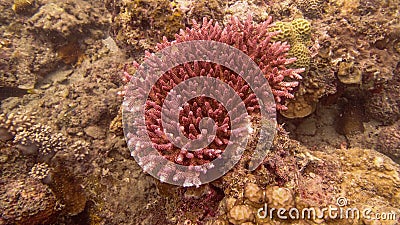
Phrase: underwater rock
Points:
(384, 105)
(6, 92)
(364, 178)
(298, 107)
(25, 61)
(349, 74)
(307, 127)
(66, 187)
(23, 6)
(389, 141)
(197, 9)
(370, 174)
(351, 120)
(95, 132)
(70, 53)
(241, 9)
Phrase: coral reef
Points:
(39, 144)
(341, 62)
(366, 65)
(279, 197)
(300, 107)
(302, 55)
(82, 107)
(61, 65)
(348, 73)
(40, 171)
(135, 32)
(240, 214)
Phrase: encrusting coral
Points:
(251, 38)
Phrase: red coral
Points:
(251, 38)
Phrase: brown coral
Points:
(26, 201)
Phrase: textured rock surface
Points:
(369, 182)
